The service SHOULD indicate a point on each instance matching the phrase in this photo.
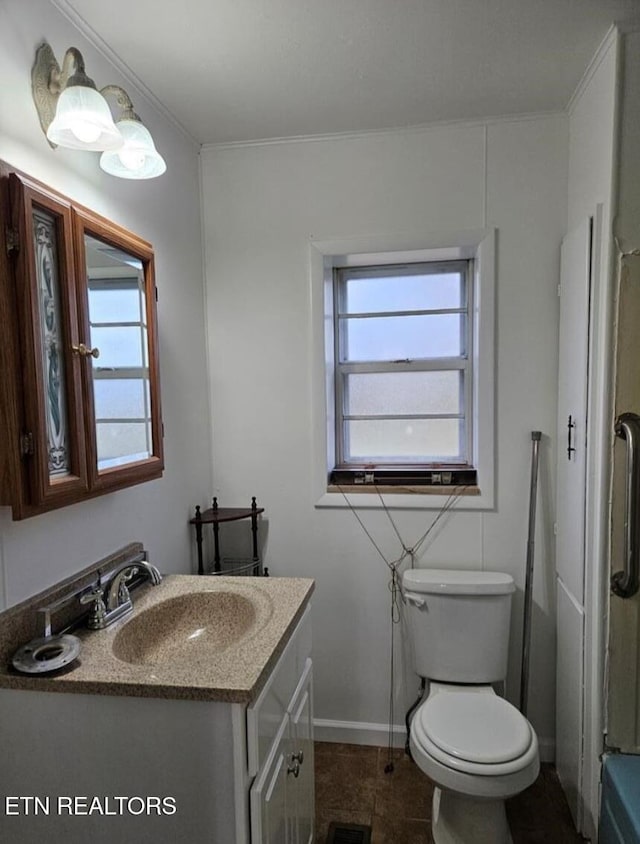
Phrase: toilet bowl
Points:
(478, 749)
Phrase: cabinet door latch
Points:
(26, 444)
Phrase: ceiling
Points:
(241, 70)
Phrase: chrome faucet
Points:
(118, 594)
(118, 600)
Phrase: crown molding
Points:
(392, 130)
(610, 40)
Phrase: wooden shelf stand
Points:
(216, 515)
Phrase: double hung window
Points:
(403, 336)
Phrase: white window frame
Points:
(462, 362)
(324, 257)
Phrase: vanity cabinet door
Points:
(48, 392)
(301, 759)
(272, 820)
(280, 747)
(278, 695)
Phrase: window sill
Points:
(367, 497)
(398, 489)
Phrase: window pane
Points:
(113, 301)
(120, 398)
(380, 393)
(119, 346)
(403, 337)
(404, 293)
(122, 442)
(395, 440)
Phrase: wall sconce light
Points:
(74, 114)
(138, 157)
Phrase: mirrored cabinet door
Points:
(52, 439)
(120, 358)
(118, 335)
(80, 385)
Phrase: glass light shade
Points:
(83, 121)
(138, 158)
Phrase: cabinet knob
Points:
(85, 351)
(298, 757)
(294, 769)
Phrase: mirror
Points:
(121, 361)
(120, 368)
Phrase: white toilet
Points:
(476, 747)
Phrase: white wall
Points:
(42, 550)
(262, 204)
(592, 117)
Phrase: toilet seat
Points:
(476, 727)
(474, 731)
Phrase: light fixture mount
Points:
(48, 80)
(123, 100)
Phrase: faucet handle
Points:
(122, 580)
(94, 594)
(98, 611)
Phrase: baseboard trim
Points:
(358, 732)
(363, 732)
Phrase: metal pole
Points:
(528, 586)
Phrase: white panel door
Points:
(569, 696)
(572, 407)
(573, 368)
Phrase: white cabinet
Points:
(301, 760)
(282, 796)
(280, 748)
(272, 796)
(235, 774)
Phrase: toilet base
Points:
(459, 819)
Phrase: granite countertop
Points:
(219, 665)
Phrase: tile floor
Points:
(352, 787)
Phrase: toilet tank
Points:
(459, 623)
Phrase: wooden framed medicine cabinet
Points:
(79, 372)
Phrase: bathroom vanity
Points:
(159, 733)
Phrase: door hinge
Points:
(12, 239)
(26, 444)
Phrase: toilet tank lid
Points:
(443, 581)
